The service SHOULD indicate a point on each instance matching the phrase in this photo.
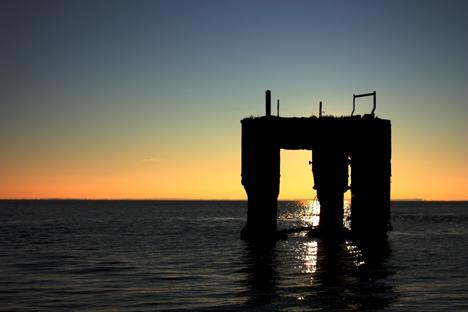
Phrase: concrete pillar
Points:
(330, 169)
(260, 178)
(370, 183)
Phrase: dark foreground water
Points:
(176, 256)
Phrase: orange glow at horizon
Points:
(217, 177)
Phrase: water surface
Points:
(187, 255)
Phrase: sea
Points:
(106, 255)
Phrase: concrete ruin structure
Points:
(362, 143)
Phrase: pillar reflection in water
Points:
(346, 276)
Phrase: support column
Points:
(260, 178)
(330, 169)
(370, 183)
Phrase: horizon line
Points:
(213, 199)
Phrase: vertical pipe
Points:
(354, 103)
(373, 107)
(267, 103)
(277, 108)
(320, 109)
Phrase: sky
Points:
(143, 99)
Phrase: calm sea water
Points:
(187, 256)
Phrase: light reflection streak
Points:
(356, 253)
(310, 257)
(347, 214)
(311, 212)
(307, 256)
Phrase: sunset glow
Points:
(145, 101)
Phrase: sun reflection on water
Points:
(347, 214)
(311, 212)
(310, 257)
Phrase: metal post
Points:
(268, 103)
(373, 108)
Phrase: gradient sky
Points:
(142, 99)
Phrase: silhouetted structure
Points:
(363, 142)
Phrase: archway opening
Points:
(298, 205)
(296, 182)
